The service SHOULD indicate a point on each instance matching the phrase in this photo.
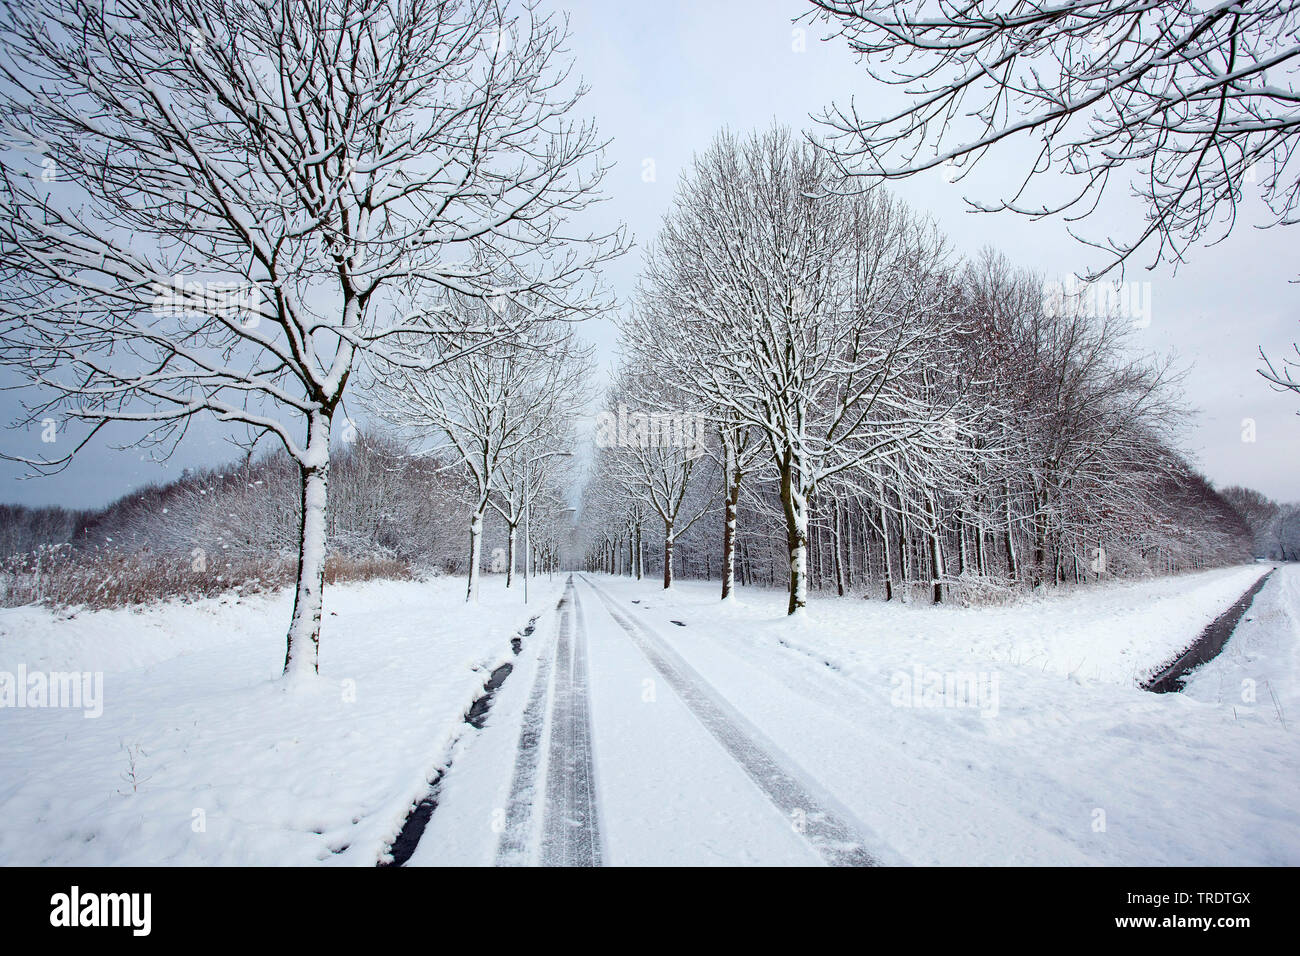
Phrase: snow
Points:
(711, 733)
(1118, 633)
(1071, 764)
(1076, 766)
(644, 738)
(1257, 676)
(230, 768)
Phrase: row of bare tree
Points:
(239, 209)
(899, 415)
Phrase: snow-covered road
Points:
(717, 737)
(572, 825)
(833, 833)
(645, 764)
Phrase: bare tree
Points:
(1256, 510)
(1282, 375)
(1007, 437)
(501, 410)
(741, 449)
(1189, 103)
(248, 197)
(796, 310)
(655, 454)
(1283, 534)
(552, 373)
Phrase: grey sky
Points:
(665, 77)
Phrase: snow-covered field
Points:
(231, 769)
(648, 727)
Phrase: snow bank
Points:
(201, 757)
(1119, 632)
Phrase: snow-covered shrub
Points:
(103, 579)
(976, 590)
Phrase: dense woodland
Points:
(400, 514)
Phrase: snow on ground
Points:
(230, 768)
(1012, 735)
(1056, 756)
(1120, 632)
(1257, 676)
(667, 792)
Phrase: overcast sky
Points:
(665, 77)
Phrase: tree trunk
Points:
(904, 554)
(1040, 546)
(848, 565)
(729, 536)
(303, 643)
(668, 555)
(888, 565)
(837, 543)
(937, 569)
(810, 561)
(795, 505)
(510, 555)
(961, 544)
(475, 553)
(1012, 566)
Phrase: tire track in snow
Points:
(835, 840)
(570, 827)
(839, 702)
(404, 843)
(512, 850)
